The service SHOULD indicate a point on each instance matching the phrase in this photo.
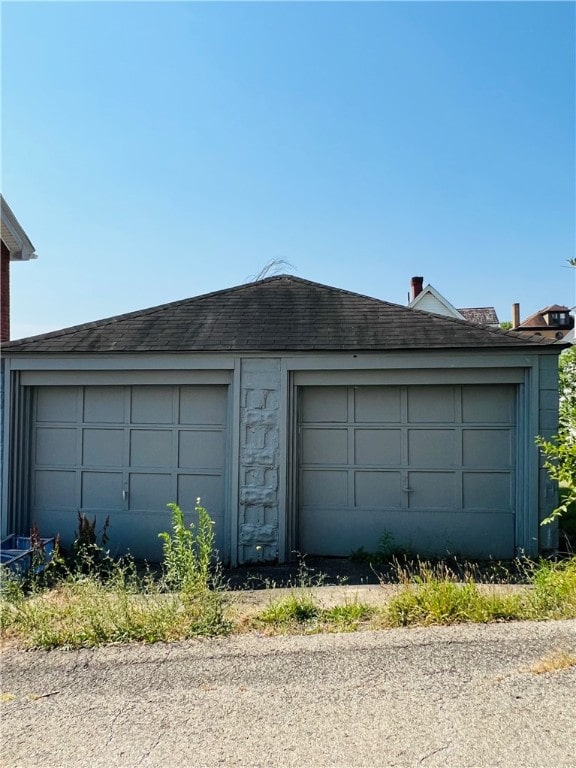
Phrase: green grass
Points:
(86, 611)
(434, 601)
(434, 595)
(92, 600)
(554, 591)
(300, 612)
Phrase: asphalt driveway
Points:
(450, 696)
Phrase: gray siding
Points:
(547, 428)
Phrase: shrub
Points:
(89, 554)
(560, 451)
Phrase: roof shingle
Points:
(279, 313)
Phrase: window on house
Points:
(557, 318)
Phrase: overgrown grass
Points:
(87, 613)
(435, 601)
(554, 591)
(85, 610)
(81, 604)
(433, 594)
(301, 612)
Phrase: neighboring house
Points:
(428, 299)
(307, 418)
(552, 322)
(16, 246)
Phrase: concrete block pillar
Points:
(259, 460)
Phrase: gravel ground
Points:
(451, 696)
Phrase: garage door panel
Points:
(432, 490)
(432, 447)
(207, 488)
(431, 404)
(339, 533)
(324, 446)
(152, 405)
(150, 491)
(102, 447)
(55, 488)
(324, 488)
(201, 448)
(379, 447)
(486, 448)
(325, 404)
(104, 404)
(376, 404)
(487, 490)
(55, 446)
(150, 448)
(203, 405)
(488, 404)
(377, 489)
(57, 404)
(102, 490)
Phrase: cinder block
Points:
(271, 478)
(258, 534)
(255, 398)
(260, 456)
(264, 417)
(258, 496)
(272, 401)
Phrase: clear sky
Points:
(155, 151)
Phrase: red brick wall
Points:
(5, 295)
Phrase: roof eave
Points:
(15, 238)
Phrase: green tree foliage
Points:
(560, 452)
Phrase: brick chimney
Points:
(5, 295)
(416, 287)
(515, 315)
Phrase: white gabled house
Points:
(428, 299)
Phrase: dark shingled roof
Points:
(280, 313)
(480, 315)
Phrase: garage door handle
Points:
(407, 490)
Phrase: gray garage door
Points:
(126, 451)
(431, 468)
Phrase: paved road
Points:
(448, 696)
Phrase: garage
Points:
(308, 419)
(126, 452)
(430, 468)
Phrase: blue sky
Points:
(154, 151)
